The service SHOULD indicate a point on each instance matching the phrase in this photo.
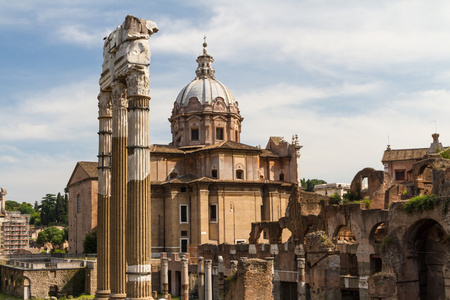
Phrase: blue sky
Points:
(342, 75)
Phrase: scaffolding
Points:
(15, 231)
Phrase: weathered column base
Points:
(102, 294)
(118, 296)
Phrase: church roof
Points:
(228, 145)
(269, 153)
(90, 168)
(404, 154)
(165, 149)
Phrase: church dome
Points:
(206, 90)
(205, 87)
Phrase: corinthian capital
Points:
(119, 95)
(104, 104)
(138, 82)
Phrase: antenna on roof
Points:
(435, 125)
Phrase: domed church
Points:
(208, 187)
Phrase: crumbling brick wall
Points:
(252, 280)
(67, 282)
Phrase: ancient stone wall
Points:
(252, 280)
(42, 282)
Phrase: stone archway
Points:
(425, 260)
(26, 288)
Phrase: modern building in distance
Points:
(329, 189)
(83, 189)
(15, 228)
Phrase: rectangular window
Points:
(213, 213)
(194, 134)
(183, 233)
(400, 174)
(78, 203)
(214, 173)
(183, 189)
(239, 174)
(219, 133)
(183, 214)
(184, 245)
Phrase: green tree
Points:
(26, 208)
(52, 235)
(310, 183)
(35, 219)
(61, 209)
(47, 208)
(11, 205)
(90, 242)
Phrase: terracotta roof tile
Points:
(228, 145)
(90, 168)
(404, 154)
(165, 149)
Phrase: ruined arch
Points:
(344, 234)
(26, 288)
(378, 232)
(427, 246)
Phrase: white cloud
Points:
(61, 113)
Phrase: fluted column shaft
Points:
(119, 191)
(104, 195)
(301, 286)
(165, 277)
(201, 278)
(139, 270)
(184, 278)
(208, 279)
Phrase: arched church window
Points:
(281, 176)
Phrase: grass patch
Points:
(420, 203)
(4, 296)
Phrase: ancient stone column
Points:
(165, 275)
(301, 287)
(208, 280)
(119, 190)
(201, 278)
(104, 195)
(139, 270)
(184, 278)
(221, 278)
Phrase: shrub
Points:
(420, 203)
(385, 243)
(335, 198)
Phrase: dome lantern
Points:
(205, 112)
